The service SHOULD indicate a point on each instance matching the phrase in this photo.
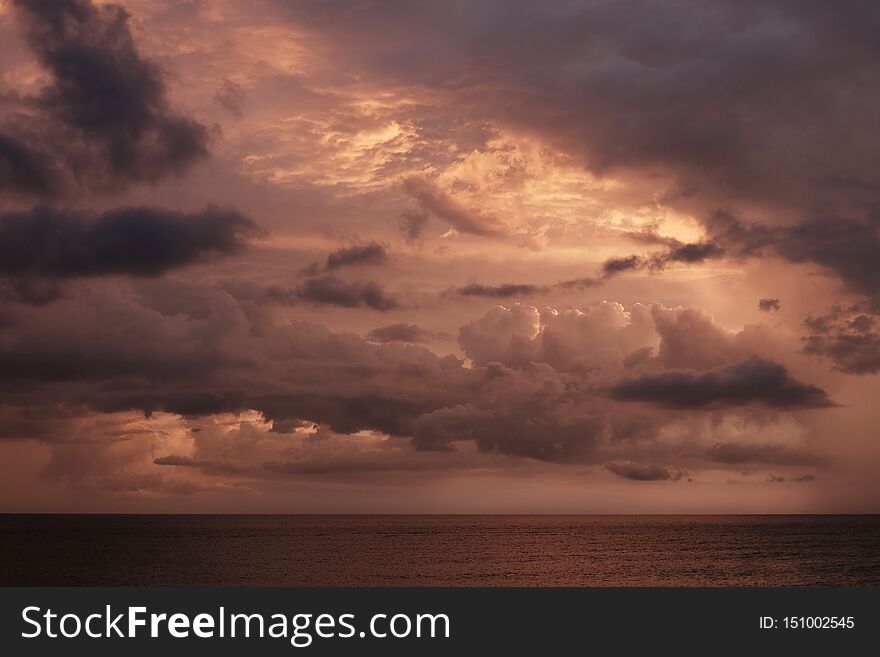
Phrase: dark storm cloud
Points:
(739, 109)
(643, 472)
(24, 171)
(107, 351)
(403, 332)
(513, 413)
(31, 290)
(847, 248)
(48, 243)
(768, 305)
(770, 454)
(749, 381)
(103, 120)
(331, 290)
(372, 254)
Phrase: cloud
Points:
(46, 242)
(614, 266)
(692, 253)
(849, 337)
(781, 480)
(764, 453)
(402, 332)
(412, 225)
(512, 290)
(330, 290)
(503, 291)
(690, 338)
(749, 381)
(432, 199)
(677, 252)
(230, 96)
(643, 472)
(103, 121)
(768, 305)
(536, 386)
(372, 254)
(42, 248)
(24, 171)
(180, 461)
(618, 96)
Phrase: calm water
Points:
(440, 550)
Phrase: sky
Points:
(439, 257)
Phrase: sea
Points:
(437, 550)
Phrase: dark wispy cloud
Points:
(764, 453)
(768, 305)
(328, 289)
(676, 252)
(521, 290)
(779, 479)
(371, 254)
(103, 120)
(402, 332)
(412, 225)
(643, 472)
(752, 380)
(614, 266)
(502, 291)
(230, 96)
(849, 337)
(435, 201)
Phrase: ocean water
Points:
(439, 550)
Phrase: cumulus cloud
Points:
(103, 120)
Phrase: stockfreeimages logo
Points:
(300, 629)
